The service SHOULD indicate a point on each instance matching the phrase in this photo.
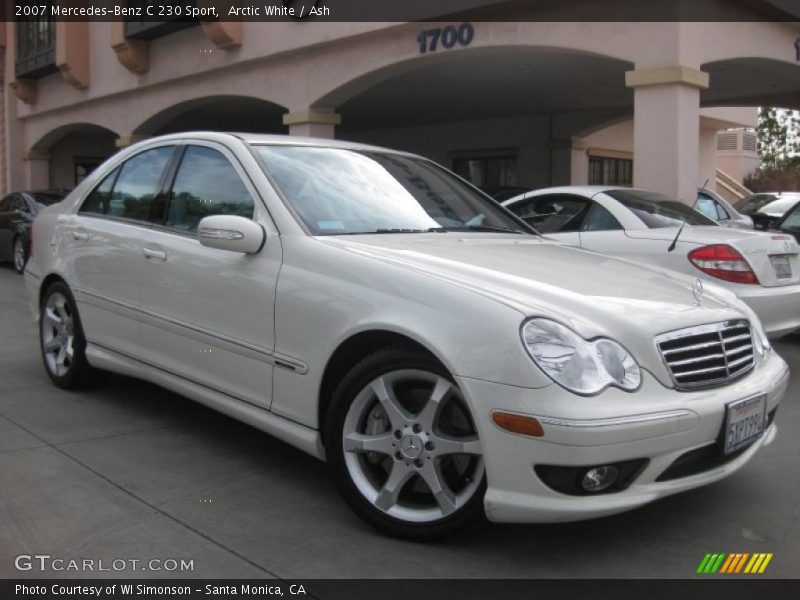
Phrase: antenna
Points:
(686, 218)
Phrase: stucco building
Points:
(507, 103)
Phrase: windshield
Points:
(657, 211)
(767, 203)
(778, 207)
(337, 191)
(791, 222)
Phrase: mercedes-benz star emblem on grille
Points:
(697, 290)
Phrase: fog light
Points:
(597, 479)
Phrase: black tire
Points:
(19, 267)
(390, 359)
(78, 373)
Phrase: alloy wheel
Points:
(19, 255)
(58, 334)
(411, 447)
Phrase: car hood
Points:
(595, 294)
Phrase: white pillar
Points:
(313, 122)
(666, 121)
(37, 170)
(579, 163)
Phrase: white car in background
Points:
(717, 208)
(763, 269)
(374, 310)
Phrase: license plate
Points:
(781, 266)
(744, 422)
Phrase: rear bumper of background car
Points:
(777, 307)
(654, 425)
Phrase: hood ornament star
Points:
(697, 290)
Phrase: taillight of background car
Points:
(724, 262)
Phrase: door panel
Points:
(209, 313)
(106, 268)
(104, 243)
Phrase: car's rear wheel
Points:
(20, 255)
(62, 341)
(403, 446)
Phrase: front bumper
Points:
(777, 307)
(655, 423)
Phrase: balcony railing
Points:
(36, 49)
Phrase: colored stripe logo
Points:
(735, 562)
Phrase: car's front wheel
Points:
(62, 341)
(20, 255)
(403, 446)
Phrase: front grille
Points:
(705, 458)
(707, 355)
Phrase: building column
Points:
(37, 170)
(579, 163)
(666, 122)
(314, 122)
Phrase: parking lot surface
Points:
(132, 471)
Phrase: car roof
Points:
(273, 139)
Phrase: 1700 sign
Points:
(447, 37)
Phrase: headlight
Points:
(579, 365)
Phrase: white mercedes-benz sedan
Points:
(761, 269)
(376, 311)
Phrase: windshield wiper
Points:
(487, 228)
(402, 230)
(441, 230)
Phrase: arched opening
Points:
(216, 113)
(503, 117)
(70, 153)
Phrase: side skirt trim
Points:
(293, 433)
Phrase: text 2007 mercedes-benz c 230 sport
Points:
(376, 311)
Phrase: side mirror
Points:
(230, 232)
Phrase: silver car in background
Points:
(716, 207)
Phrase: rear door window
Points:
(132, 193)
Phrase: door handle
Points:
(157, 254)
(80, 236)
